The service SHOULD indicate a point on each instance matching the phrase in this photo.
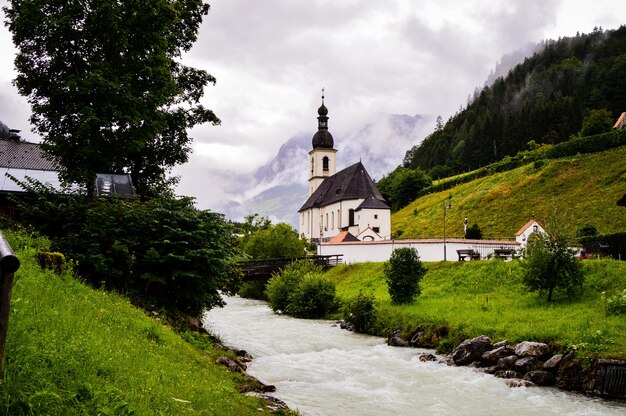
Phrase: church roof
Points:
(342, 237)
(350, 183)
(322, 139)
(373, 203)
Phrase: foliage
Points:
(106, 87)
(301, 290)
(403, 273)
(273, 241)
(544, 98)
(360, 312)
(587, 230)
(51, 260)
(313, 297)
(489, 298)
(163, 251)
(598, 121)
(253, 289)
(582, 145)
(613, 244)
(402, 186)
(474, 232)
(550, 264)
(615, 305)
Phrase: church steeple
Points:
(322, 139)
(323, 158)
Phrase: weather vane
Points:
(323, 88)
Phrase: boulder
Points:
(507, 374)
(471, 350)
(493, 356)
(395, 340)
(553, 363)
(427, 357)
(525, 364)
(490, 370)
(514, 382)
(194, 323)
(540, 378)
(503, 343)
(531, 349)
(232, 365)
(507, 363)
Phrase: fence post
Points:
(9, 263)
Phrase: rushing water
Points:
(320, 369)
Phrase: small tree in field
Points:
(403, 272)
(550, 265)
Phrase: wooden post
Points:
(9, 263)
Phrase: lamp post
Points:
(446, 207)
(465, 227)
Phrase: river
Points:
(320, 369)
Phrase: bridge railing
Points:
(266, 267)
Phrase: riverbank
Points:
(74, 350)
(462, 300)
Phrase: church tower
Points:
(323, 158)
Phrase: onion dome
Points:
(322, 139)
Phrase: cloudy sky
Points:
(272, 57)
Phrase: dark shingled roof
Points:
(17, 154)
(351, 183)
(373, 203)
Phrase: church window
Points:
(376, 229)
(325, 163)
(332, 220)
(375, 216)
(351, 217)
(312, 165)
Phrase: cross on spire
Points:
(323, 88)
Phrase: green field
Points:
(571, 191)
(73, 350)
(488, 297)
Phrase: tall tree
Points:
(106, 86)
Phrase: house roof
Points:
(527, 226)
(16, 154)
(368, 230)
(350, 183)
(373, 203)
(621, 121)
(343, 237)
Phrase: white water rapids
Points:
(319, 369)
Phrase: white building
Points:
(340, 201)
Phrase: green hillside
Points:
(572, 191)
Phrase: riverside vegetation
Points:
(74, 350)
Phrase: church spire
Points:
(322, 139)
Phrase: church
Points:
(342, 206)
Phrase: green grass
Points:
(575, 190)
(488, 297)
(73, 350)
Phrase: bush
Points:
(403, 273)
(550, 265)
(360, 312)
(253, 289)
(313, 297)
(274, 242)
(474, 233)
(615, 305)
(284, 283)
(163, 253)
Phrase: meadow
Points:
(489, 298)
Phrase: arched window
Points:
(325, 163)
(351, 217)
(312, 165)
(332, 220)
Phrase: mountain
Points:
(280, 187)
(546, 98)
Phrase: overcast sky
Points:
(272, 57)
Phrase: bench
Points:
(468, 253)
(504, 253)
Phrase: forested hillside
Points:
(546, 99)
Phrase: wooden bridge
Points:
(263, 269)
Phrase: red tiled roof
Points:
(526, 226)
(342, 237)
(621, 121)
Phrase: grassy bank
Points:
(72, 350)
(488, 297)
(581, 189)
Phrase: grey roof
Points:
(373, 203)
(351, 183)
(16, 154)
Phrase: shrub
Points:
(551, 265)
(360, 312)
(51, 260)
(615, 305)
(474, 233)
(403, 273)
(253, 289)
(273, 242)
(282, 284)
(313, 297)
